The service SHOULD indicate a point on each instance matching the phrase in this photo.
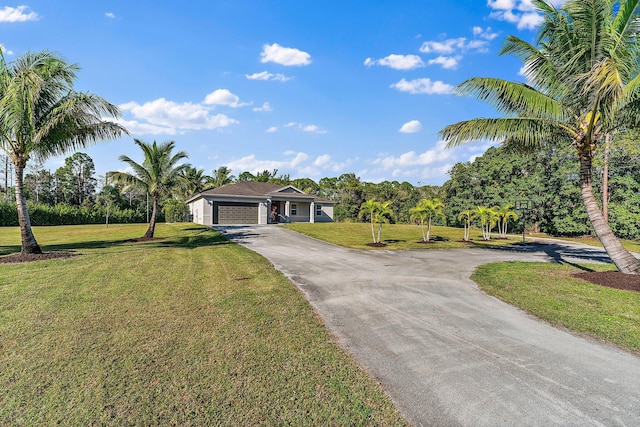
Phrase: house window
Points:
(294, 209)
(318, 210)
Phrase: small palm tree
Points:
(488, 219)
(41, 115)
(378, 213)
(505, 213)
(427, 210)
(466, 217)
(158, 175)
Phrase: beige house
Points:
(258, 203)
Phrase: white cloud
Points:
(110, 15)
(265, 107)
(295, 163)
(313, 129)
(322, 160)
(484, 33)
(266, 76)
(272, 129)
(163, 116)
(305, 128)
(223, 97)
(430, 157)
(284, 55)
(449, 46)
(136, 128)
(412, 126)
(519, 12)
(5, 50)
(17, 14)
(299, 159)
(447, 62)
(423, 86)
(397, 62)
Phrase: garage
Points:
(235, 213)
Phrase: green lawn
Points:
(186, 330)
(547, 291)
(396, 236)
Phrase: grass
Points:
(185, 330)
(549, 292)
(396, 236)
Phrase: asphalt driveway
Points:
(446, 353)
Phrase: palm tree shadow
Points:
(560, 254)
(203, 237)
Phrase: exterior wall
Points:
(302, 214)
(207, 216)
(202, 210)
(197, 210)
(263, 212)
(327, 214)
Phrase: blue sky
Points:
(312, 89)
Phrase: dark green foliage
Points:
(64, 214)
(549, 178)
(175, 211)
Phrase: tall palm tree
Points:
(584, 83)
(158, 175)
(426, 209)
(466, 217)
(41, 115)
(504, 213)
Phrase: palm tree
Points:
(504, 213)
(41, 115)
(488, 218)
(158, 175)
(370, 207)
(584, 83)
(426, 210)
(192, 182)
(221, 176)
(466, 217)
(378, 213)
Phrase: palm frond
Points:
(512, 97)
(522, 131)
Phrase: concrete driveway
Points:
(446, 353)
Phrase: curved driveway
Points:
(446, 353)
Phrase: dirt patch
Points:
(20, 258)
(377, 245)
(612, 279)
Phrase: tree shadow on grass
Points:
(201, 237)
(559, 253)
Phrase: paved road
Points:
(446, 353)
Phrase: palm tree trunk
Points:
(29, 244)
(605, 178)
(428, 230)
(152, 222)
(624, 261)
(373, 231)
